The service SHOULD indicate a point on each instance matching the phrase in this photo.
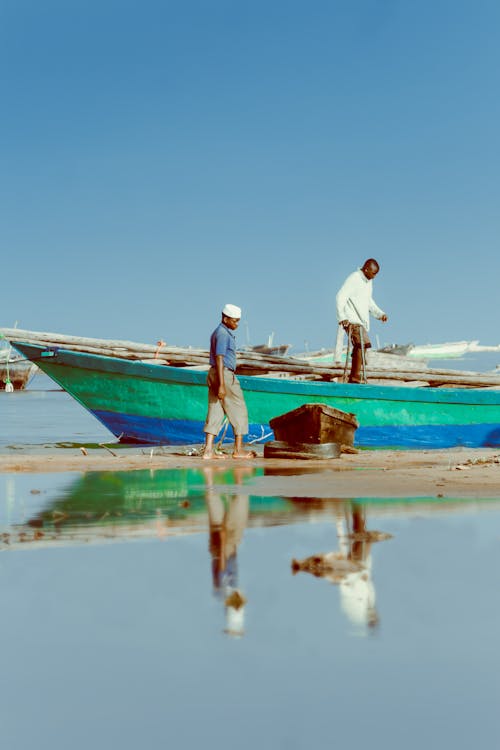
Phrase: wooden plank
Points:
(248, 362)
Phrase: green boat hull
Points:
(155, 404)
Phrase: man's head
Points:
(231, 315)
(370, 268)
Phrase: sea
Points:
(228, 607)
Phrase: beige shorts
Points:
(233, 405)
(232, 519)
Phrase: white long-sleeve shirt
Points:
(355, 302)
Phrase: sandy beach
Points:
(457, 472)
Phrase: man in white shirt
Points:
(354, 306)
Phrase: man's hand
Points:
(384, 318)
(344, 324)
(221, 394)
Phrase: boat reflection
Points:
(99, 507)
(349, 567)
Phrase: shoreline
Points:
(453, 472)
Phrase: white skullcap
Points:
(235, 621)
(232, 311)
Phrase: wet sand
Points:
(457, 472)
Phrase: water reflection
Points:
(349, 567)
(122, 506)
(98, 507)
(219, 501)
(227, 518)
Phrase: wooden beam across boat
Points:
(249, 362)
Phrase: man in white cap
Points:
(225, 396)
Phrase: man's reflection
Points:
(350, 567)
(227, 517)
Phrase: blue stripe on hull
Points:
(430, 436)
(181, 432)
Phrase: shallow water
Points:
(143, 609)
(117, 631)
(44, 417)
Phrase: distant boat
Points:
(149, 402)
(377, 358)
(484, 348)
(278, 350)
(15, 369)
(275, 350)
(448, 350)
(401, 350)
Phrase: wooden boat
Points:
(311, 431)
(15, 369)
(156, 403)
(315, 423)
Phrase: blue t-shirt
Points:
(223, 343)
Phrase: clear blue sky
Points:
(162, 158)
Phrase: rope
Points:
(159, 345)
(225, 425)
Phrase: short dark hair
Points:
(371, 262)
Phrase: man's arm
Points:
(377, 312)
(219, 365)
(221, 346)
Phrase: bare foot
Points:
(245, 454)
(209, 455)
